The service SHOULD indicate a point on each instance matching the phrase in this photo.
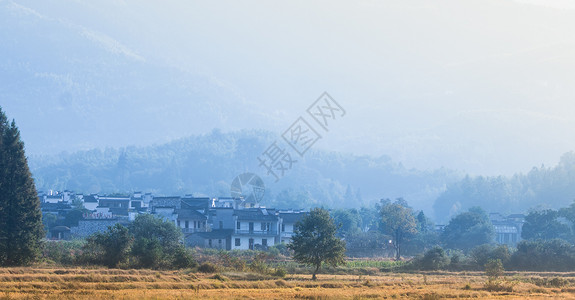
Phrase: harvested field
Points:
(78, 283)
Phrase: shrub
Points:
(498, 286)
(183, 259)
(219, 277)
(494, 269)
(259, 265)
(558, 282)
(481, 255)
(554, 255)
(207, 268)
(457, 260)
(280, 272)
(434, 259)
(62, 252)
(281, 249)
(110, 248)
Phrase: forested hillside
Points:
(207, 164)
(547, 187)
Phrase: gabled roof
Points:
(118, 199)
(516, 216)
(255, 214)
(292, 217)
(190, 214)
(61, 229)
(196, 203)
(166, 202)
(90, 199)
(47, 206)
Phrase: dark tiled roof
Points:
(292, 217)
(168, 198)
(61, 228)
(55, 206)
(255, 214)
(90, 199)
(190, 214)
(166, 202)
(198, 203)
(516, 216)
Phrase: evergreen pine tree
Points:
(21, 229)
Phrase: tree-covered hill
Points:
(550, 187)
(207, 164)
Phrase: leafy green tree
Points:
(49, 220)
(468, 230)
(494, 269)
(399, 222)
(434, 259)
(109, 248)
(151, 242)
(148, 252)
(21, 228)
(544, 255)
(366, 244)
(73, 217)
(424, 239)
(156, 241)
(423, 223)
(544, 224)
(480, 255)
(183, 258)
(370, 218)
(348, 220)
(314, 241)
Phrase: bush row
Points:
(540, 255)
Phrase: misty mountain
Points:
(76, 87)
(543, 187)
(207, 164)
(478, 86)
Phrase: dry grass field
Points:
(71, 283)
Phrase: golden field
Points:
(80, 283)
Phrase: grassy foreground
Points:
(77, 283)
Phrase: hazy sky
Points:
(485, 87)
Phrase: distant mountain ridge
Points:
(543, 187)
(82, 74)
(207, 164)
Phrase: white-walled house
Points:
(254, 228)
(287, 224)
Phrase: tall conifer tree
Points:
(21, 229)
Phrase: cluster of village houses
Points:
(222, 223)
